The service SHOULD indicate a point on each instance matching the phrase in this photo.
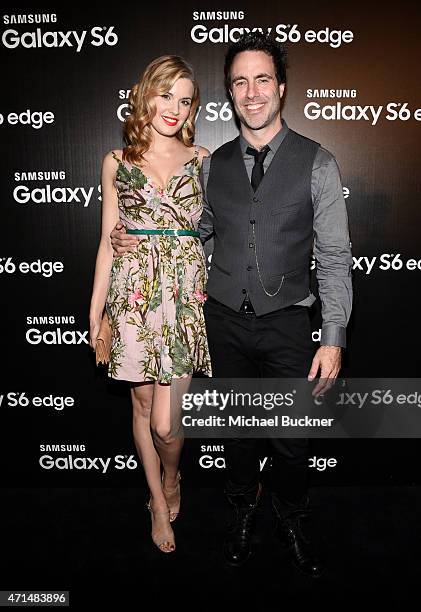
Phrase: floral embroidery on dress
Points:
(156, 294)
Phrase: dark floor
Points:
(96, 544)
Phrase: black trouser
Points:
(274, 345)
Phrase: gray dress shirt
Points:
(331, 247)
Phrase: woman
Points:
(154, 294)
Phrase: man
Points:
(271, 198)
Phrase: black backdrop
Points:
(354, 89)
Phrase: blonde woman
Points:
(154, 293)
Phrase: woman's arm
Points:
(110, 216)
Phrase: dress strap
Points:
(118, 160)
(196, 151)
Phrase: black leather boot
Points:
(237, 545)
(289, 530)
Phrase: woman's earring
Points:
(185, 124)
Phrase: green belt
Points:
(164, 232)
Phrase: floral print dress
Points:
(156, 294)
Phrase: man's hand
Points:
(122, 242)
(328, 360)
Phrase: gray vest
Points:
(281, 215)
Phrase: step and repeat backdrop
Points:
(352, 85)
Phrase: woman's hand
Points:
(94, 325)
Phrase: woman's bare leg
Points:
(142, 401)
(142, 396)
(168, 436)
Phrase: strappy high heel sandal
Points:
(173, 498)
(163, 539)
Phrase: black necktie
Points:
(258, 171)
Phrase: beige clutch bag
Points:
(103, 341)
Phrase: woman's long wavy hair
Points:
(158, 78)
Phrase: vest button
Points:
(255, 199)
(243, 291)
(251, 245)
(252, 221)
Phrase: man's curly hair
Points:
(256, 41)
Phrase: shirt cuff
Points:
(333, 335)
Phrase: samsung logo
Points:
(51, 320)
(56, 448)
(217, 15)
(49, 175)
(331, 93)
(30, 18)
